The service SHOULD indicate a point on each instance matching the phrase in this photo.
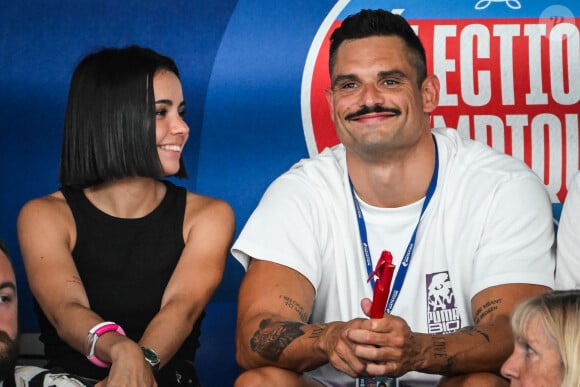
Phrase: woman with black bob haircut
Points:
(109, 130)
(120, 261)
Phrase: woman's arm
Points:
(208, 230)
(47, 234)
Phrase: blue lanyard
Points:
(402, 270)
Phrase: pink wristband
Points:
(94, 334)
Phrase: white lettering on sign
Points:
(563, 67)
(515, 87)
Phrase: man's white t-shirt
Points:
(568, 262)
(489, 223)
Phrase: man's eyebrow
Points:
(8, 284)
(381, 74)
(343, 77)
(393, 73)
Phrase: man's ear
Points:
(430, 93)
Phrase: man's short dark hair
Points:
(109, 129)
(368, 23)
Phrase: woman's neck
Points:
(127, 198)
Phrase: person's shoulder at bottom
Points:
(32, 376)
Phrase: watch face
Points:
(150, 356)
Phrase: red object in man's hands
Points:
(384, 272)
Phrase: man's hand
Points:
(339, 349)
(385, 346)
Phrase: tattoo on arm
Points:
(473, 330)
(317, 331)
(295, 306)
(439, 347)
(271, 338)
(487, 308)
(75, 280)
(440, 352)
(440, 343)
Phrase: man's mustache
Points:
(371, 109)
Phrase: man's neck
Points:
(394, 181)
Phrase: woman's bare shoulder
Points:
(46, 224)
(52, 207)
(208, 210)
(51, 202)
(200, 204)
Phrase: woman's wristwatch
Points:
(152, 358)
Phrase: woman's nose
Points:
(179, 126)
(510, 368)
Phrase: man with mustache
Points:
(10, 373)
(469, 230)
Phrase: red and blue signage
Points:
(509, 72)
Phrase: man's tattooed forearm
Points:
(440, 352)
(439, 347)
(473, 330)
(487, 308)
(292, 304)
(271, 338)
(317, 331)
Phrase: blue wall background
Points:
(41, 42)
(242, 64)
(233, 56)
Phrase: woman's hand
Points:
(128, 367)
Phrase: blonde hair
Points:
(559, 313)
